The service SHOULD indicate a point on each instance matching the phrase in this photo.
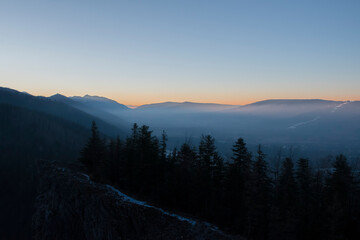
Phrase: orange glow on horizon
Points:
(235, 103)
(135, 100)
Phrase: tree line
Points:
(239, 195)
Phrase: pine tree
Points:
(241, 156)
(135, 131)
(187, 192)
(316, 216)
(286, 204)
(340, 181)
(303, 177)
(148, 175)
(217, 171)
(186, 157)
(339, 192)
(237, 186)
(240, 169)
(260, 198)
(205, 171)
(287, 188)
(206, 152)
(164, 139)
(94, 153)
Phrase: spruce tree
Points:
(303, 177)
(285, 223)
(187, 193)
(237, 186)
(206, 152)
(260, 198)
(339, 192)
(164, 139)
(94, 153)
(340, 181)
(287, 188)
(241, 157)
(186, 157)
(204, 173)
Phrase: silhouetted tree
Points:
(288, 189)
(239, 195)
(285, 221)
(339, 199)
(185, 192)
(237, 189)
(93, 154)
(164, 139)
(340, 181)
(260, 198)
(208, 161)
(147, 164)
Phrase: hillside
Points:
(71, 206)
(100, 107)
(56, 108)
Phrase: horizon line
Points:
(134, 106)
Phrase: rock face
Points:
(70, 206)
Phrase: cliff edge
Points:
(71, 206)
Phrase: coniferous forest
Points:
(241, 195)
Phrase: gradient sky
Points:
(139, 52)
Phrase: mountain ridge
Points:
(95, 98)
(56, 108)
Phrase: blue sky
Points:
(140, 52)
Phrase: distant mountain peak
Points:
(99, 101)
(186, 106)
(57, 95)
(290, 103)
(94, 98)
(10, 90)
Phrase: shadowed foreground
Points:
(71, 206)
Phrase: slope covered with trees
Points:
(55, 108)
(241, 195)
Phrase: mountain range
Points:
(312, 126)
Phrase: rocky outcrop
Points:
(71, 206)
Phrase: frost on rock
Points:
(132, 200)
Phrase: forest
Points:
(241, 195)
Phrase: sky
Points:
(139, 52)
